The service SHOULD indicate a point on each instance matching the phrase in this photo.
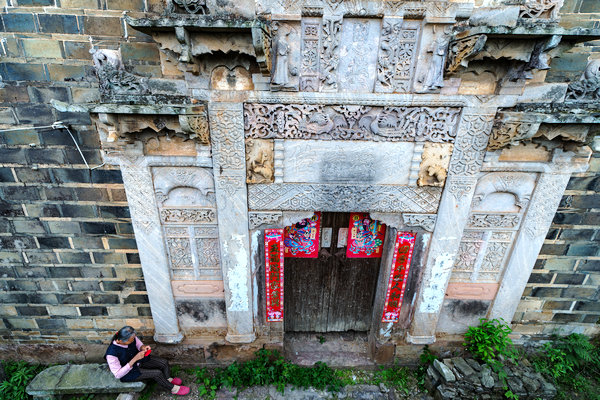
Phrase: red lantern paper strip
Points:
(403, 249)
(365, 237)
(274, 273)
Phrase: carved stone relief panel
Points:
(316, 161)
(259, 161)
(330, 52)
(331, 197)
(193, 252)
(397, 54)
(358, 54)
(286, 56)
(258, 218)
(305, 121)
(434, 164)
(309, 67)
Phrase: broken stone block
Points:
(445, 372)
(461, 365)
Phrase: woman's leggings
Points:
(157, 369)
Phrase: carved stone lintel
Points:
(425, 221)
(304, 121)
(460, 52)
(258, 218)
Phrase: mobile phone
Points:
(147, 353)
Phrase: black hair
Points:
(123, 334)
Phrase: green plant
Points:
(395, 376)
(489, 340)
(18, 376)
(321, 339)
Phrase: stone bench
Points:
(56, 381)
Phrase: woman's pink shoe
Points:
(176, 381)
(183, 390)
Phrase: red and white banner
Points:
(274, 273)
(403, 249)
(365, 237)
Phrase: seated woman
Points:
(126, 360)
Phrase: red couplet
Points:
(403, 249)
(365, 237)
(274, 273)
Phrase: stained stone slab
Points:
(79, 379)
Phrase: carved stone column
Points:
(229, 165)
(465, 164)
(149, 237)
(544, 202)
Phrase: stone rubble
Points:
(459, 378)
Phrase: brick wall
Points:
(69, 268)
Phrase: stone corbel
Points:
(261, 39)
(183, 37)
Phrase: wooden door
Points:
(330, 293)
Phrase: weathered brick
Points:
(569, 279)
(591, 218)
(75, 258)
(114, 212)
(31, 272)
(92, 157)
(41, 210)
(144, 312)
(41, 298)
(15, 22)
(20, 323)
(540, 278)
(91, 194)
(35, 3)
(587, 306)
(45, 94)
(85, 95)
(98, 228)
(85, 286)
(30, 175)
(589, 6)
(139, 51)
(582, 250)
(9, 155)
(109, 258)
(66, 311)
(20, 193)
(5, 258)
(41, 257)
(115, 243)
(591, 319)
(39, 114)
(10, 210)
(79, 4)
(133, 258)
(557, 305)
(73, 298)
(21, 137)
(32, 311)
(54, 242)
(587, 201)
(113, 286)
(545, 292)
(23, 72)
(118, 195)
(576, 234)
(78, 211)
(580, 292)
(125, 229)
(63, 227)
(98, 272)
(71, 73)
(584, 183)
(74, 118)
(102, 25)
(566, 317)
(88, 242)
(59, 137)
(41, 48)
(53, 325)
(5, 226)
(136, 299)
(54, 285)
(14, 94)
(28, 226)
(106, 176)
(59, 193)
(7, 117)
(6, 175)
(563, 218)
(105, 299)
(22, 286)
(46, 156)
(93, 311)
(68, 175)
(58, 23)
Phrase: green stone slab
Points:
(75, 379)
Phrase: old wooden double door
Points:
(331, 293)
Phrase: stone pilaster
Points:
(150, 241)
(229, 165)
(465, 164)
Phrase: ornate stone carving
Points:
(112, 77)
(358, 54)
(507, 132)
(259, 161)
(309, 69)
(258, 218)
(140, 196)
(231, 184)
(469, 147)
(460, 52)
(285, 67)
(541, 9)
(180, 253)
(588, 86)
(303, 121)
(228, 141)
(434, 164)
(184, 186)
(395, 64)
(325, 197)
(425, 221)
(190, 6)
(460, 186)
(520, 185)
(188, 215)
(467, 255)
(434, 78)
(208, 253)
(494, 220)
(196, 126)
(546, 201)
(261, 40)
(330, 57)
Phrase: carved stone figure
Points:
(588, 86)
(281, 69)
(434, 164)
(113, 79)
(259, 161)
(435, 73)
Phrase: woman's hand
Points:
(145, 348)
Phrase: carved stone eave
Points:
(539, 31)
(182, 26)
(108, 108)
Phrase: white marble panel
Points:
(318, 161)
(358, 54)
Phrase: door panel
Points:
(331, 293)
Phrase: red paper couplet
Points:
(365, 237)
(403, 249)
(302, 239)
(274, 273)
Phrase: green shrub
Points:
(490, 340)
(18, 376)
